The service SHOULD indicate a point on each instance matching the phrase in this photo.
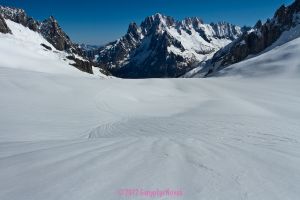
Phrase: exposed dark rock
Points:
(19, 16)
(164, 64)
(257, 40)
(51, 31)
(226, 30)
(82, 65)
(3, 26)
(46, 46)
(144, 51)
(49, 28)
(55, 35)
(33, 24)
(258, 25)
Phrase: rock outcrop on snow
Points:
(54, 34)
(3, 26)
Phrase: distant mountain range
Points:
(161, 46)
(164, 47)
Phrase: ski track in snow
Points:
(82, 138)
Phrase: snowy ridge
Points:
(164, 47)
(22, 50)
(261, 38)
(279, 61)
(53, 33)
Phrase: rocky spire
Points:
(134, 30)
(258, 24)
(3, 26)
(51, 30)
(156, 23)
(192, 21)
(226, 30)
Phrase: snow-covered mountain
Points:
(280, 61)
(51, 37)
(24, 49)
(66, 135)
(164, 47)
(282, 28)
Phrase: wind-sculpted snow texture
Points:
(67, 135)
(70, 137)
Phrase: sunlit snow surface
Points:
(23, 51)
(68, 137)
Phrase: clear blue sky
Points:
(101, 21)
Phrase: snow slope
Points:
(68, 137)
(22, 50)
(194, 45)
(278, 61)
(65, 137)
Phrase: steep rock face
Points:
(49, 28)
(3, 26)
(53, 33)
(164, 47)
(226, 30)
(259, 38)
(117, 54)
(82, 65)
(155, 61)
(19, 16)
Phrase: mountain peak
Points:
(134, 30)
(19, 16)
(192, 21)
(164, 47)
(156, 23)
(51, 18)
(132, 26)
(11, 11)
(158, 17)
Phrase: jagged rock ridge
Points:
(164, 47)
(258, 39)
(51, 31)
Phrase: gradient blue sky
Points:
(99, 21)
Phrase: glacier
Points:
(67, 135)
